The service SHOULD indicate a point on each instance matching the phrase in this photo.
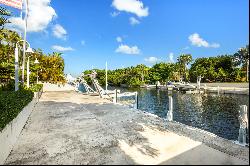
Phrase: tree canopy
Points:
(4, 13)
(221, 68)
(49, 69)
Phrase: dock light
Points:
(36, 61)
(29, 50)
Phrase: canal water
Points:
(211, 112)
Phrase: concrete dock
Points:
(224, 88)
(70, 128)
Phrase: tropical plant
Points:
(162, 72)
(242, 58)
(183, 61)
(4, 13)
(8, 40)
(50, 68)
(220, 68)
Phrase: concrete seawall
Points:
(224, 88)
(227, 90)
(225, 84)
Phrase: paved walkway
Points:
(70, 128)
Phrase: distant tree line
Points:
(222, 68)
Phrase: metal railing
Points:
(117, 98)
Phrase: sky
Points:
(130, 32)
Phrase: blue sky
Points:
(131, 32)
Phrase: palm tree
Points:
(3, 14)
(242, 57)
(8, 40)
(183, 61)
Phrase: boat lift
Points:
(88, 89)
(109, 94)
(103, 93)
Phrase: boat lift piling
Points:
(170, 108)
(115, 97)
(243, 119)
(205, 88)
(136, 100)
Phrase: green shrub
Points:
(11, 103)
(36, 87)
(10, 86)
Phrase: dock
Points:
(67, 127)
(221, 88)
(226, 90)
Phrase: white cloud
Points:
(40, 15)
(186, 48)
(119, 39)
(59, 32)
(127, 50)
(62, 49)
(133, 21)
(215, 45)
(152, 59)
(114, 14)
(83, 42)
(171, 57)
(196, 40)
(131, 6)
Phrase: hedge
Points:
(10, 86)
(36, 87)
(11, 103)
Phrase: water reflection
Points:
(217, 114)
(211, 112)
